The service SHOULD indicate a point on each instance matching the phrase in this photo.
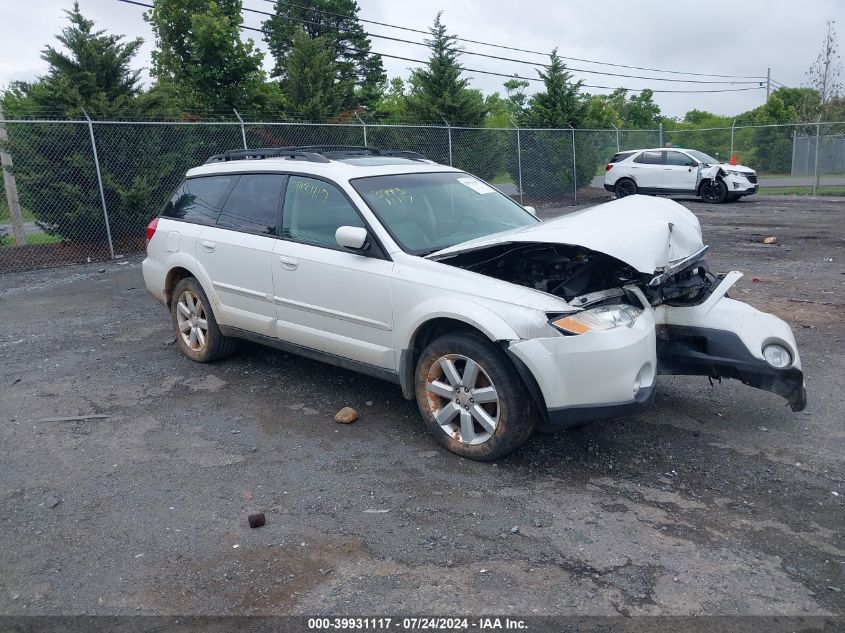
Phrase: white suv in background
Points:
(417, 273)
(675, 171)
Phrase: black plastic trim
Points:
(307, 352)
(569, 417)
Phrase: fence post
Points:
(364, 126)
(243, 132)
(449, 131)
(11, 188)
(660, 135)
(733, 126)
(574, 167)
(816, 165)
(99, 181)
(794, 150)
(617, 136)
(518, 158)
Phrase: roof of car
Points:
(656, 149)
(336, 169)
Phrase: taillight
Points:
(151, 229)
(608, 167)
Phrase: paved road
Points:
(717, 501)
(29, 228)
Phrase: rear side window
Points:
(650, 158)
(254, 204)
(620, 156)
(198, 199)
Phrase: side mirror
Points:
(531, 210)
(352, 237)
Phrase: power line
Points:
(518, 61)
(490, 72)
(511, 48)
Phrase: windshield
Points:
(702, 157)
(428, 212)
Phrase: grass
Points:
(32, 238)
(803, 190)
(502, 179)
(5, 218)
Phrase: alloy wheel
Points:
(191, 320)
(462, 399)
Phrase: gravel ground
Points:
(717, 501)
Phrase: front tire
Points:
(471, 398)
(714, 191)
(625, 187)
(197, 333)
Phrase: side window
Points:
(650, 158)
(313, 211)
(679, 159)
(253, 204)
(198, 199)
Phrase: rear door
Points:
(680, 173)
(647, 170)
(236, 253)
(328, 298)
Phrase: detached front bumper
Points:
(698, 351)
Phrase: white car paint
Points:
(646, 233)
(368, 310)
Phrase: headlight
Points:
(735, 173)
(777, 356)
(598, 319)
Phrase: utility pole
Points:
(11, 187)
(768, 83)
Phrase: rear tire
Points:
(714, 191)
(197, 333)
(471, 398)
(625, 187)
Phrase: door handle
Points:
(208, 246)
(288, 262)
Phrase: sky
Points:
(713, 37)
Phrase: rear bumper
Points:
(698, 351)
(155, 278)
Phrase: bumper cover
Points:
(689, 350)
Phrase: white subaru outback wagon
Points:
(421, 274)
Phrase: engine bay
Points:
(573, 272)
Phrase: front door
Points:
(680, 173)
(328, 298)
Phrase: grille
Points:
(752, 178)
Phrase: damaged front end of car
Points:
(621, 267)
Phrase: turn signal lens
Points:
(598, 319)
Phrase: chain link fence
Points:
(85, 190)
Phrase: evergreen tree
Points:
(200, 57)
(91, 70)
(359, 75)
(438, 91)
(559, 104)
(308, 86)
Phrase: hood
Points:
(742, 168)
(644, 232)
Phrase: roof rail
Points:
(291, 153)
(312, 153)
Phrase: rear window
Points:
(198, 199)
(254, 204)
(620, 156)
